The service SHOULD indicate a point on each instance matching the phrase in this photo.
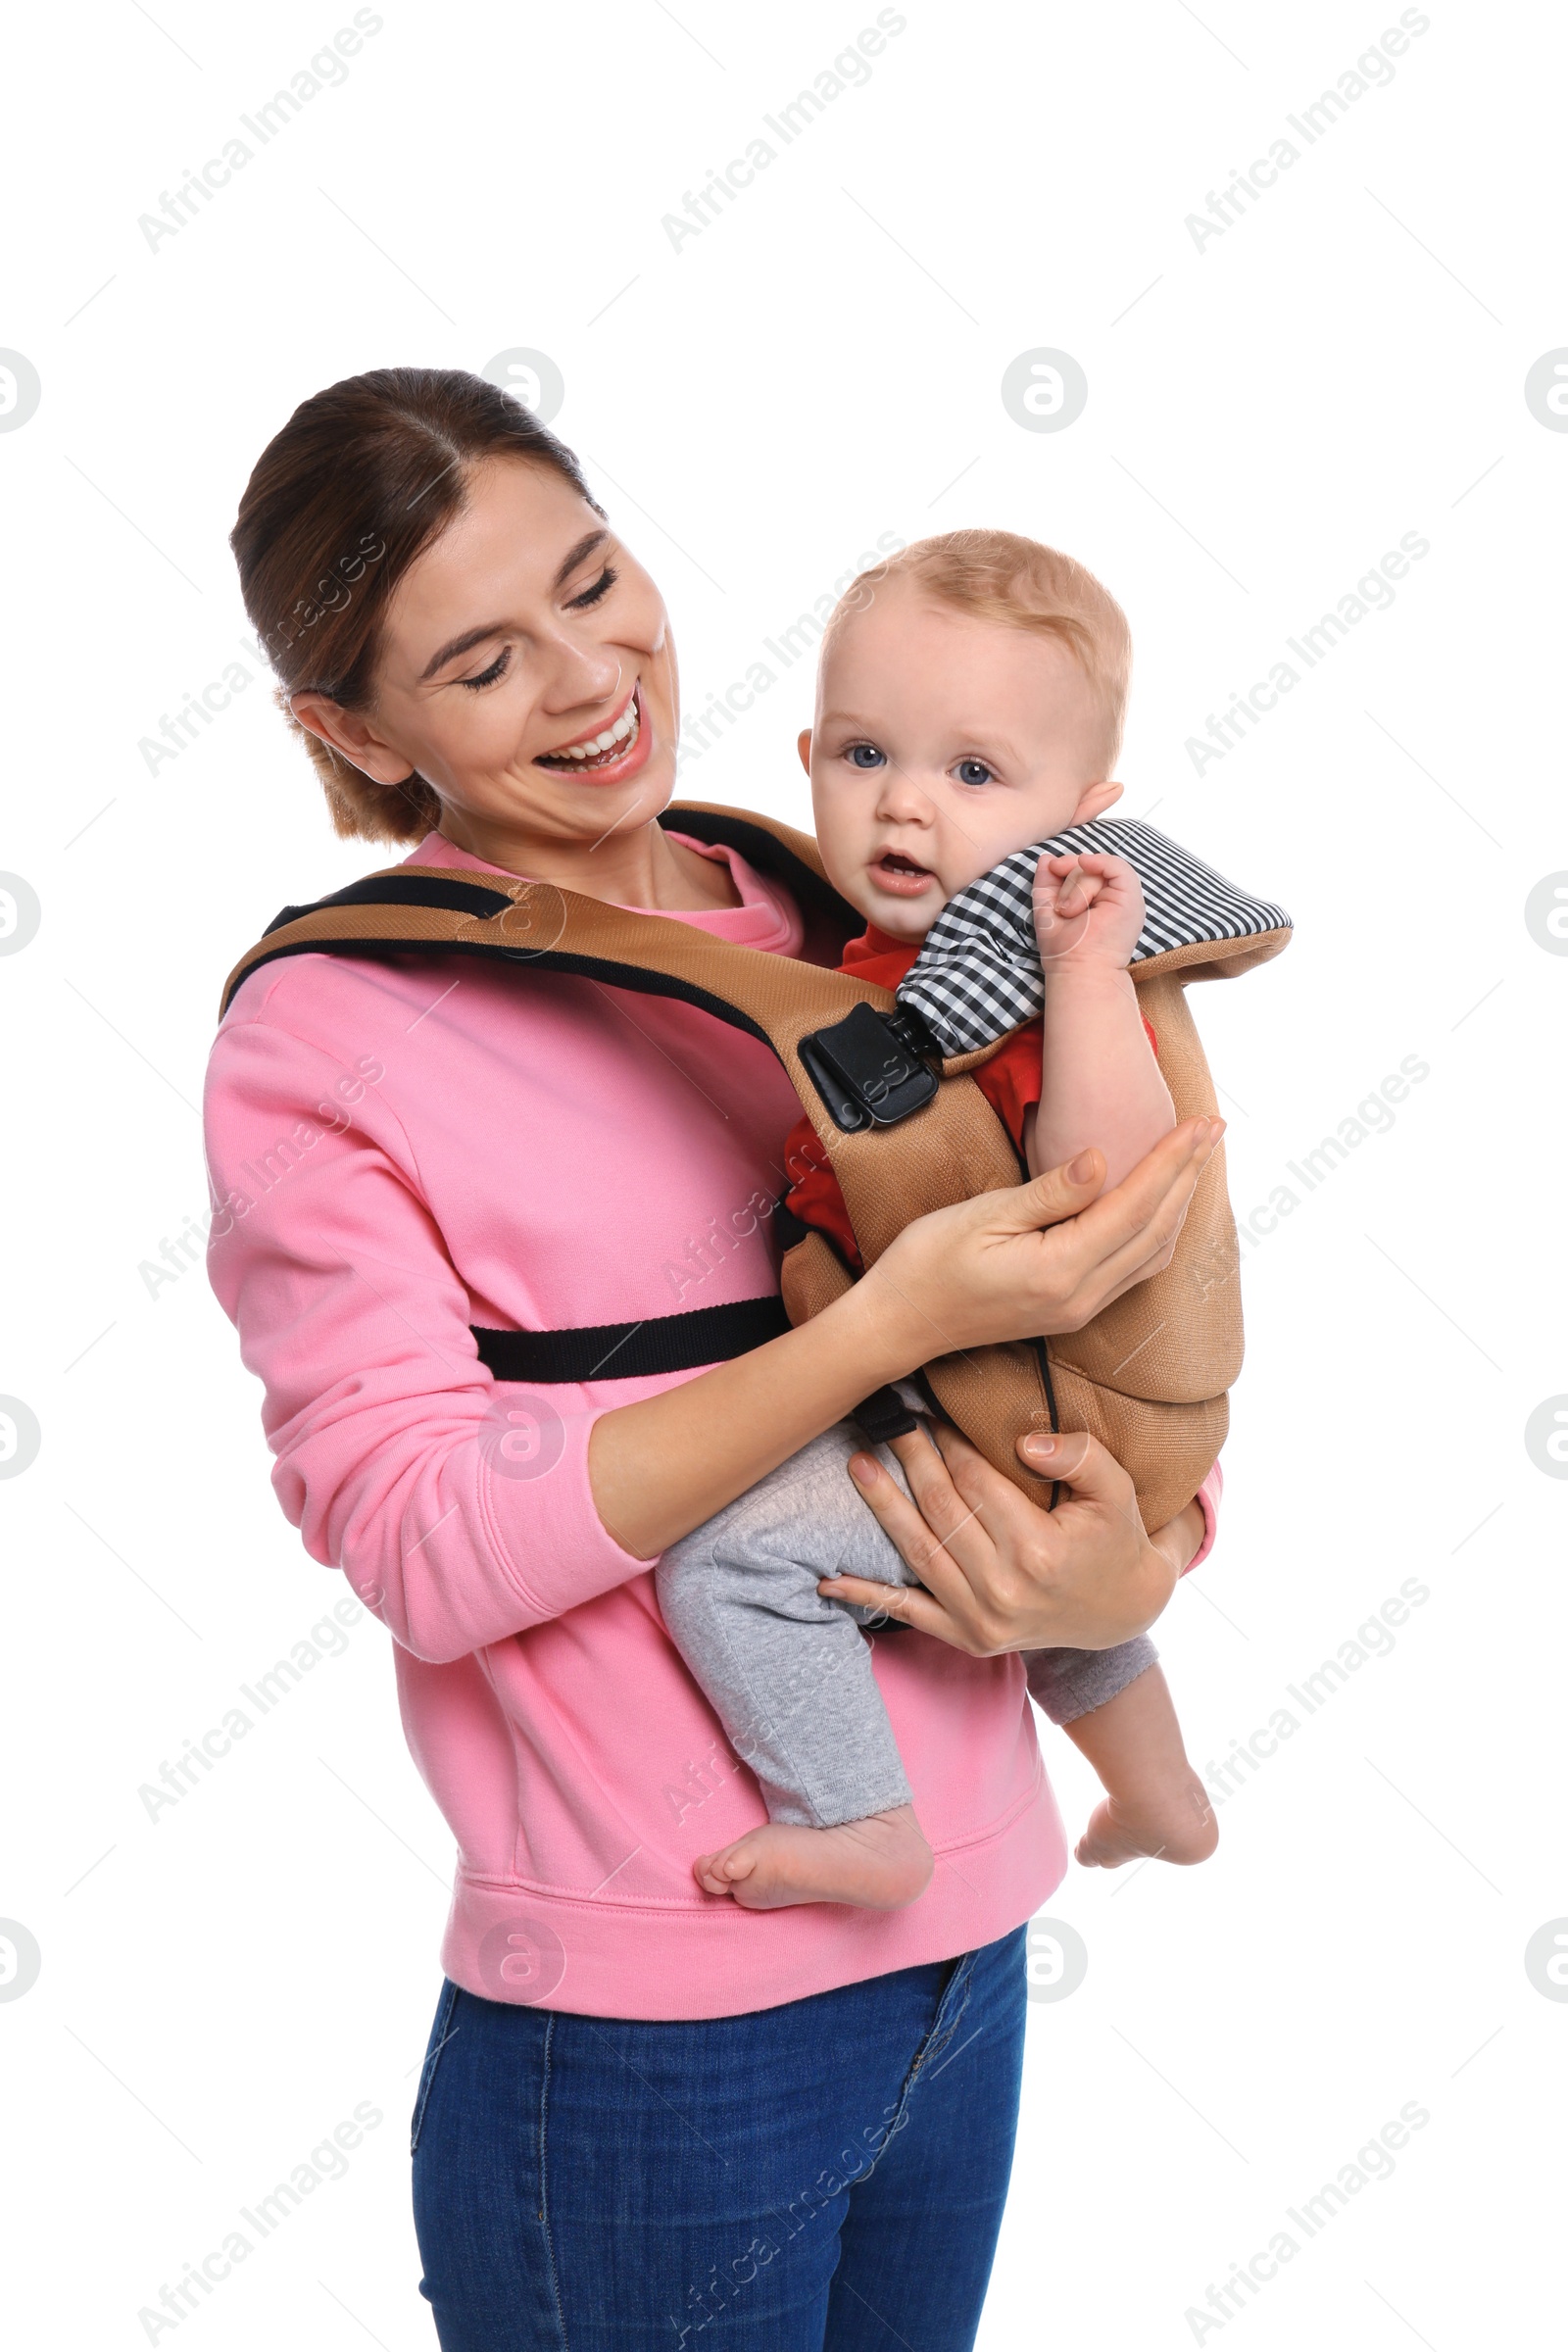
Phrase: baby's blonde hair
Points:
(1019, 584)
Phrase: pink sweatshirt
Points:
(399, 1150)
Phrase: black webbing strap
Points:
(883, 1415)
(703, 1334)
(414, 888)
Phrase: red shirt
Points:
(1009, 1082)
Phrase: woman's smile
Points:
(611, 751)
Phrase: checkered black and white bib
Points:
(978, 974)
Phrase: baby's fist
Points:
(1089, 910)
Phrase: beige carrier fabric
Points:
(1148, 1377)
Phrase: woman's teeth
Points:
(600, 750)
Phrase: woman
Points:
(645, 2114)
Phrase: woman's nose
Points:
(582, 673)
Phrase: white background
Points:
(1267, 414)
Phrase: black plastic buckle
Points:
(868, 1068)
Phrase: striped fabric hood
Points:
(978, 974)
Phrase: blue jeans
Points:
(825, 2177)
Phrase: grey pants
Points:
(789, 1673)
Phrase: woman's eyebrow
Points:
(460, 644)
(470, 638)
(576, 555)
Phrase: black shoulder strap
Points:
(426, 893)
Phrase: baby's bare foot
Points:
(1174, 1823)
(880, 1863)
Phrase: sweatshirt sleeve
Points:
(1208, 1499)
(461, 1513)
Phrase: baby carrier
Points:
(905, 1126)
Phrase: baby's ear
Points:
(1097, 799)
(803, 743)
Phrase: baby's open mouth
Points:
(896, 871)
(604, 749)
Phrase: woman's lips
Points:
(899, 875)
(592, 760)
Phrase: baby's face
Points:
(941, 744)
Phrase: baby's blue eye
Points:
(865, 755)
(972, 771)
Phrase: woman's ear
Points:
(803, 743)
(1097, 799)
(352, 735)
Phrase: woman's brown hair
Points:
(357, 484)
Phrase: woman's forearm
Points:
(1044, 1256)
(660, 1468)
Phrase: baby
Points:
(969, 703)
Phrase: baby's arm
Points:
(1099, 1081)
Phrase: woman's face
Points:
(527, 668)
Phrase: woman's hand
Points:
(1000, 1574)
(1038, 1257)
